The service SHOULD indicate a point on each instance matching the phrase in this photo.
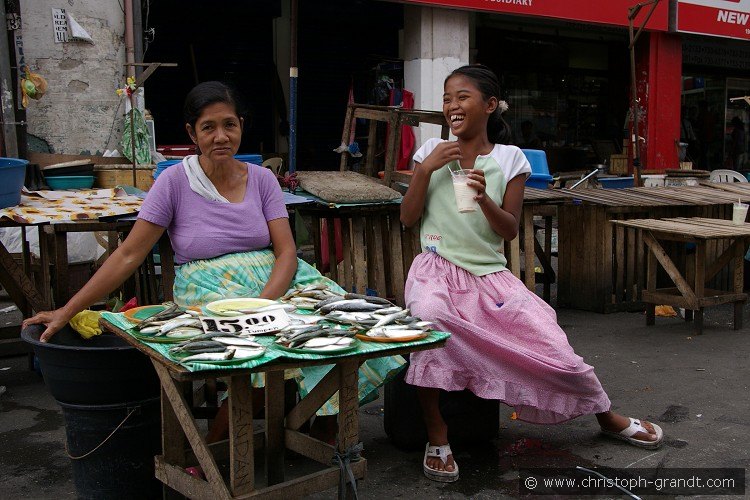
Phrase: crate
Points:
(618, 164)
(109, 176)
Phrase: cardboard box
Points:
(109, 176)
(618, 164)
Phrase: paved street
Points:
(695, 387)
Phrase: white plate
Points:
(225, 306)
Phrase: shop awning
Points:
(726, 18)
(612, 12)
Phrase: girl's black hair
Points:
(498, 131)
(207, 93)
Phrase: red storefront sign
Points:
(727, 18)
(591, 11)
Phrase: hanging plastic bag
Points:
(32, 86)
(142, 148)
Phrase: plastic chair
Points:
(725, 175)
(274, 164)
(538, 160)
(539, 177)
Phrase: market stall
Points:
(184, 445)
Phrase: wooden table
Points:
(537, 203)
(179, 427)
(602, 267)
(690, 290)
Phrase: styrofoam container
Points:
(654, 180)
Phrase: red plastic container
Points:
(177, 150)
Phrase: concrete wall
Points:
(436, 41)
(80, 111)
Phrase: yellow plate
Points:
(225, 306)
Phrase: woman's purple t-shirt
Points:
(203, 229)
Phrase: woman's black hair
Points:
(498, 130)
(207, 93)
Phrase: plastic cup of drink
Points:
(464, 193)
(739, 213)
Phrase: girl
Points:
(505, 341)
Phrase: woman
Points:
(505, 342)
(222, 215)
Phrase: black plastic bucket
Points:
(471, 420)
(99, 371)
(112, 448)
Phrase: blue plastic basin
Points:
(163, 165)
(616, 182)
(70, 181)
(539, 181)
(12, 175)
(255, 159)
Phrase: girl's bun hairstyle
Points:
(498, 131)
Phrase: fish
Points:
(306, 318)
(350, 306)
(233, 341)
(176, 323)
(151, 329)
(393, 333)
(390, 318)
(209, 356)
(369, 298)
(326, 341)
(170, 312)
(195, 345)
(330, 300)
(245, 352)
(185, 332)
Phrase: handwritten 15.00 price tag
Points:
(251, 324)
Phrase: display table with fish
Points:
(180, 430)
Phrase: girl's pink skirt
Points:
(505, 344)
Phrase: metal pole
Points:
(293, 75)
(634, 89)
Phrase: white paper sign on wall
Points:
(60, 25)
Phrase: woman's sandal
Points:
(441, 452)
(635, 427)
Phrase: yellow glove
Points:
(86, 323)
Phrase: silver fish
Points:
(233, 341)
(209, 356)
(176, 323)
(390, 318)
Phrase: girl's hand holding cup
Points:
(477, 181)
(444, 153)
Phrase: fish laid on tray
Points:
(172, 322)
(363, 314)
(216, 346)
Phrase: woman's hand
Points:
(55, 321)
(444, 153)
(478, 182)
